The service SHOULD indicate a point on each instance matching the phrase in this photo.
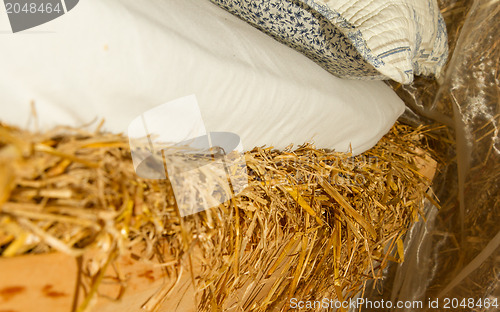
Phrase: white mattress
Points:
(117, 59)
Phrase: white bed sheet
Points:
(116, 59)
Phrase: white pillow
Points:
(118, 59)
(362, 39)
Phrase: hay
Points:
(466, 100)
(326, 221)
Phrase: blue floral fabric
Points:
(328, 38)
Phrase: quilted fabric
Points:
(361, 39)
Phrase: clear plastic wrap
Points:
(455, 253)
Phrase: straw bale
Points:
(311, 224)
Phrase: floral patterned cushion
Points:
(360, 39)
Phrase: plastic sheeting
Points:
(455, 253)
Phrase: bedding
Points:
(362, 39)
(117, 59)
